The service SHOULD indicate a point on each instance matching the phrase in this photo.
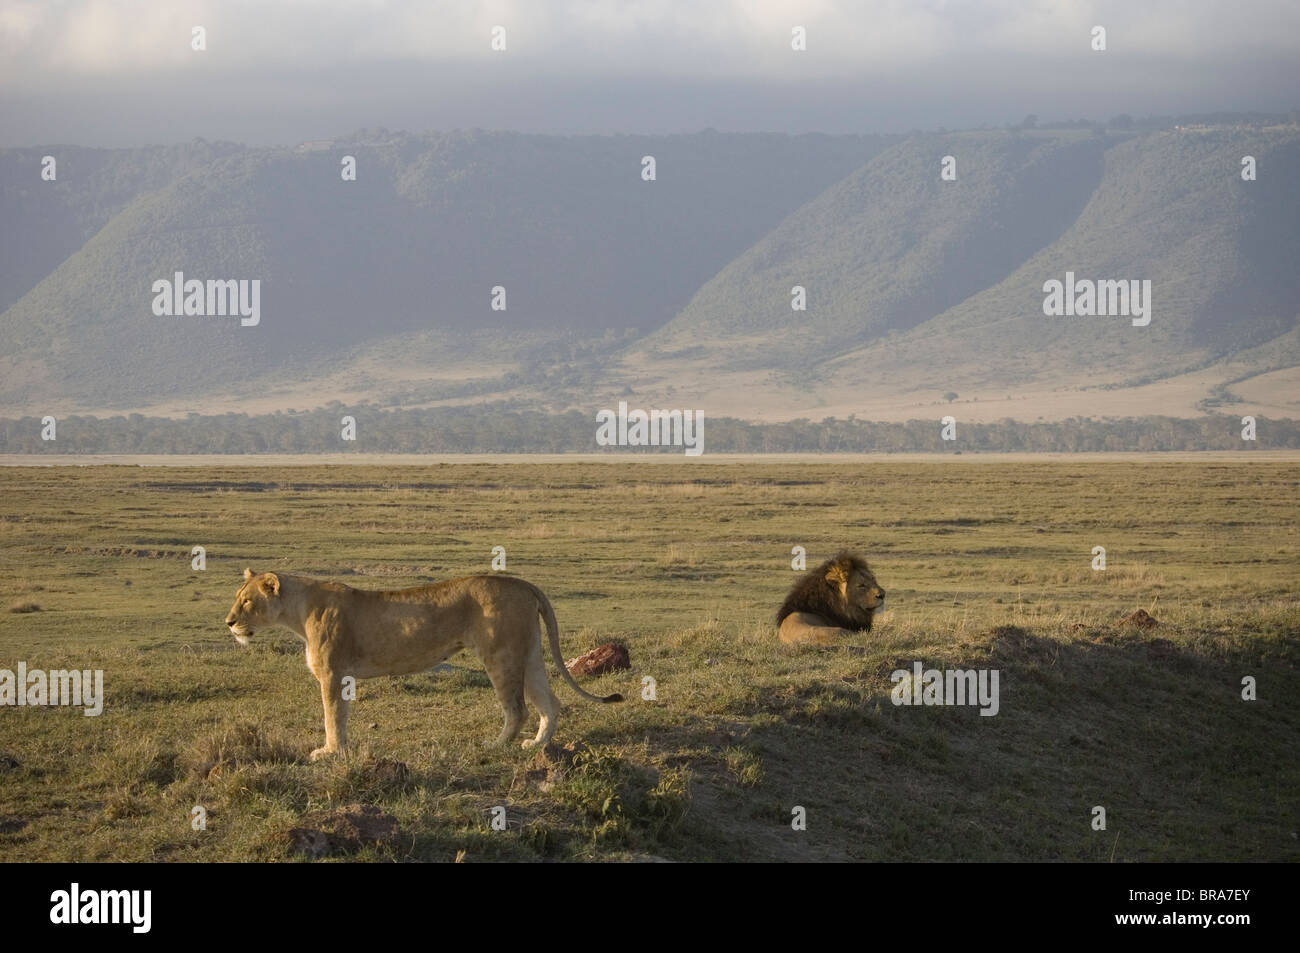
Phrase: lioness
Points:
(365, 633)
(836, 599)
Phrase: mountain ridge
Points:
(676, 289)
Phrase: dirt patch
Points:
(551, 765)
(342, 830)
(1140, 618)
(387, 771)
(136, 552)
(1014, 644)
(1161, 650)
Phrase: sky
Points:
(125, 73)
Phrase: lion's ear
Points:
(270, 583)
(838, 575)
(248, 574)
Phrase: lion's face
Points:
(257, 604)
(862, 595)
(864, 591)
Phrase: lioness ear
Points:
(248, 574)
(270, 583)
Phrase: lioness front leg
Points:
(336, 716)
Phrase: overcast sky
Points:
(97, 72)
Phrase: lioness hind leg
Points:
(510, 692)
(537, 687)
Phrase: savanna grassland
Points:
(986, 566)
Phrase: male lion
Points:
(364, 633)
(837, 598)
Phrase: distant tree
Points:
(1122, 121)
(950, 396)
(1030, 122)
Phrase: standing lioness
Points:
(363, 633)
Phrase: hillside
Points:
(953, 297)
(670, 293)
(430, 225)
(892, 245)
(46, 221)
(1172, 208)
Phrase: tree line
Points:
(501, 428)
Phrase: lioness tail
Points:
(553, 633)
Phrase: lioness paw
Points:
(321, 753)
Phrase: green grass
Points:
(986, 565)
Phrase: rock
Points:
(343, 829)
(1139, 619)
(604, 658)
(9, 763)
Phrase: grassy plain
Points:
(987, 565)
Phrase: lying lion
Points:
(836, 599)
(363, 634)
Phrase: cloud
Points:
(738, 39)
(122, 72)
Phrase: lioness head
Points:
(257, 603)
(842, 591)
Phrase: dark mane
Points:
(816, 594)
